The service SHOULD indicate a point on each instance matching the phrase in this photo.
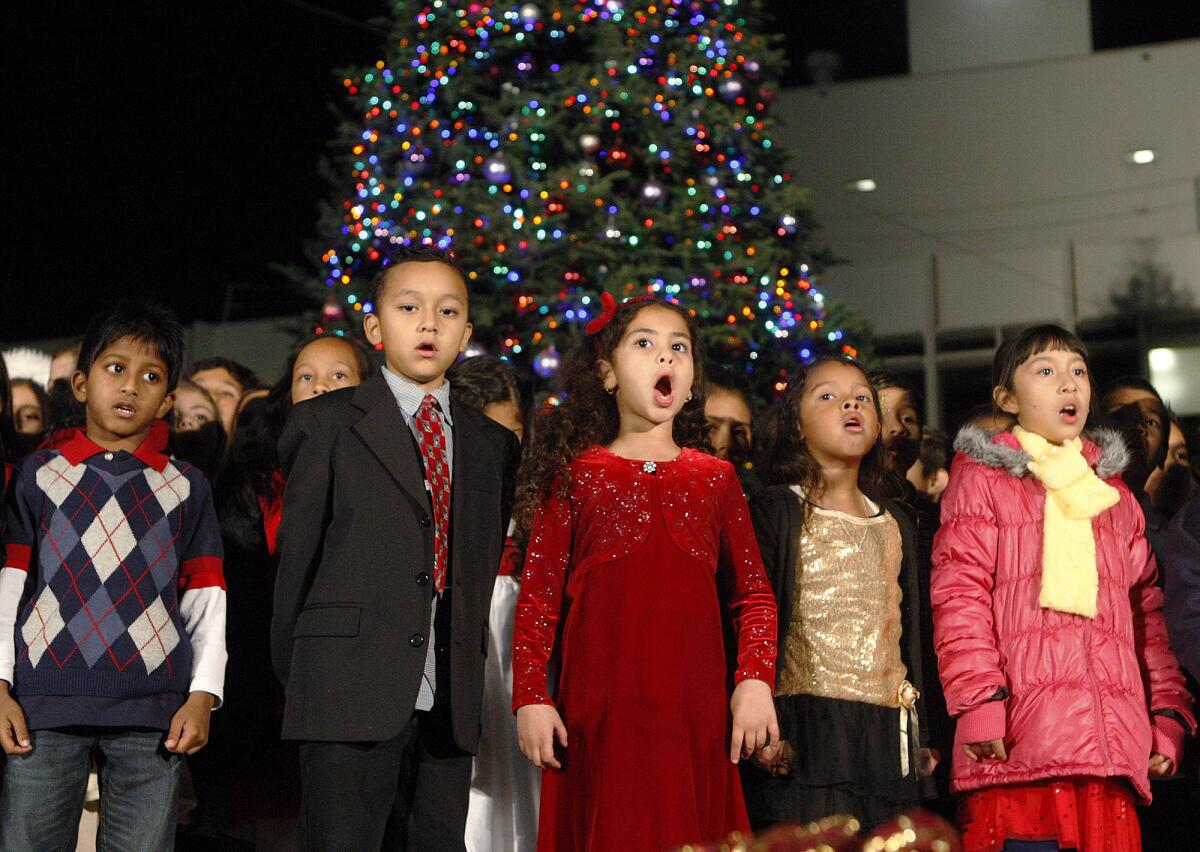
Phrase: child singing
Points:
(635, 533)
(842, 561)
(1048, 621)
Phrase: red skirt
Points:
(1090, 814)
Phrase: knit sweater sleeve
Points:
(20, 536)
(202, 592)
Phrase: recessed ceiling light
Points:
(1141, 156)
(861, 185)
(1163, 360)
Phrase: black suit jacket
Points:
(353, 594)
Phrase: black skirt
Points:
(847, 761)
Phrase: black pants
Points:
(407, 793)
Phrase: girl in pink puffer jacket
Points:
(1047, 621)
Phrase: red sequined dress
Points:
(1090, 814)
(628, 573)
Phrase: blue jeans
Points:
(43, 791)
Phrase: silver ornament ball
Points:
(496, 169)
(732, 88)
(653, 191)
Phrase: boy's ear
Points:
(466, 338)
(371, 329)
(79, 386)
(167, 404)
(1005, 400)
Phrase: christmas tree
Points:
(565, 148)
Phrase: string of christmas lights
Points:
(567, 148)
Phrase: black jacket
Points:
(353, 594)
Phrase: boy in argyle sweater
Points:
(112, 604)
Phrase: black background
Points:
(171, 149)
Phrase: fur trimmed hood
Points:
(1104, 449)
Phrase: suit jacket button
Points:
(422, 579)
(416, 640)
(426, 521)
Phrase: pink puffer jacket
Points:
(1080, 692)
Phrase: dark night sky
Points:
(170, 149)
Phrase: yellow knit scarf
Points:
(1074, 495)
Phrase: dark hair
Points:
(883, 379)
(1129, 383)
(8, 429)
(247, 479)
(1020, 348)
(415, 253)
(588, 416)
(935, 450)
(986, 411)
(146, 322)
(242, 374)
(484, 380)
(730, 381)
(1124, 421)
(788, 461)
(63, 410)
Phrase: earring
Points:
(610, 391)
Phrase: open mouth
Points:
(663, 393)
(124, 409)
(853, 423)
(426, 349)
(1069, 413)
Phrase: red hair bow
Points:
(610, 310)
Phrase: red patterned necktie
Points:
(437, 472)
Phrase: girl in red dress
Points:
(637, 540)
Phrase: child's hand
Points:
(930, 758)
(991, 748)
(189, 725)
(14, 736)
(1161, 766)
(537, 727)
(775, 759)
(754, 724)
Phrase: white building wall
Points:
(1004, 194)
(945, 35)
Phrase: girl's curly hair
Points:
(787, 460)
(588, 416)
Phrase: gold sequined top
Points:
(844, 637)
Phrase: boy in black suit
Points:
(394, 515)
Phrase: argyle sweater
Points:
(112, 596)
